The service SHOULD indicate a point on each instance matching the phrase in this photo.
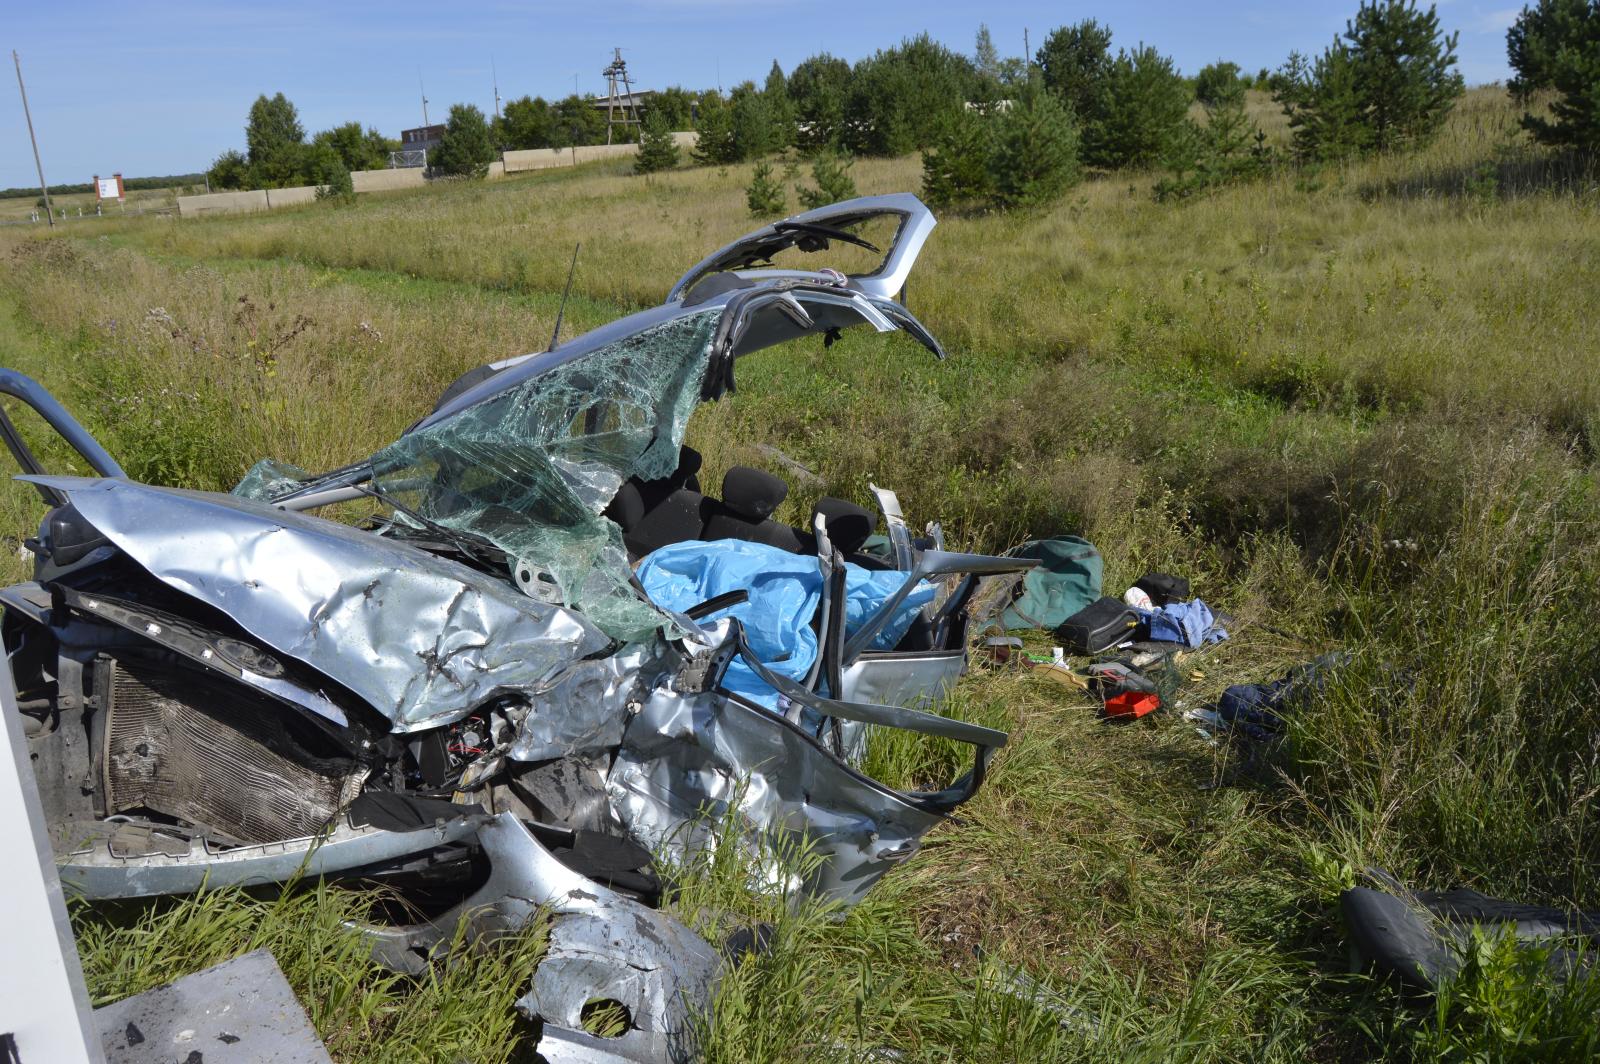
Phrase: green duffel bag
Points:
(1066, 580)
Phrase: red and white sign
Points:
(108, 187)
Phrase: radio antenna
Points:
(555, 337)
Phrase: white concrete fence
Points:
(511, 162)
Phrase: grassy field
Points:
(1358, 407)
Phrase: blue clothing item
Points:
(1258, 709)
(1189, 623)
(785, 590)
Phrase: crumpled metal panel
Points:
(422, 639)
(241, 1011)
(634, 957)
(602, 946)
(688, 759)
(587, 711)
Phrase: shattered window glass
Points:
(531, 468)
(270, 478)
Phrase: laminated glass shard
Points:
(530, 469)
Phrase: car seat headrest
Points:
(752, 493)
(627, 506)
(848, 524)
(689, 462)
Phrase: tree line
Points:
(998, 131)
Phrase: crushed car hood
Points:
(422, 639)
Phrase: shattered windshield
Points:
(530, 468)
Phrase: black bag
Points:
(1164, 588)
(1097, 626)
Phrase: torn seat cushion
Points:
(785, 590)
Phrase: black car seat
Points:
(749, 497)
(654, 513)
(848, 525)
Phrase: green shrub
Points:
(465, 148)
(831, 172)
(528, 122)
(1218, 83)
(576, 121)
(1555, 45)
(333, 179)
(231, 170)
(357, 148)
(765, 194)
(657, 149)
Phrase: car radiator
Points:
(212, 754)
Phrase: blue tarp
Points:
(785, 590)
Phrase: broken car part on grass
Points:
(471, 696)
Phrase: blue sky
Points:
(158, 89)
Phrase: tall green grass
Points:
(1356, 407)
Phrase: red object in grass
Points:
(1132, 704)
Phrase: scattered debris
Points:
(243, 1009)
(1421, 938)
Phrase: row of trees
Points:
(277, 154)
(1009, 130)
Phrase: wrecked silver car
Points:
(474, 691)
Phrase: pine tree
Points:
(1218, 83)
(765, 195)
(1403, 71)
(1035, 156)
(714, 140)
(817, 90)
(755, 129)
(1387, 83)
(1075, 61)
(1228, 147)
(1142, 112)
(831, 172)
(657, 149)
(779, 107)
(956, 167)
(1555, 45)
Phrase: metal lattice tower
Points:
(620, 103)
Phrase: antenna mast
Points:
(623, 102)
(424, 93)
(496, 78)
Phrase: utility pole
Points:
(44, 188)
